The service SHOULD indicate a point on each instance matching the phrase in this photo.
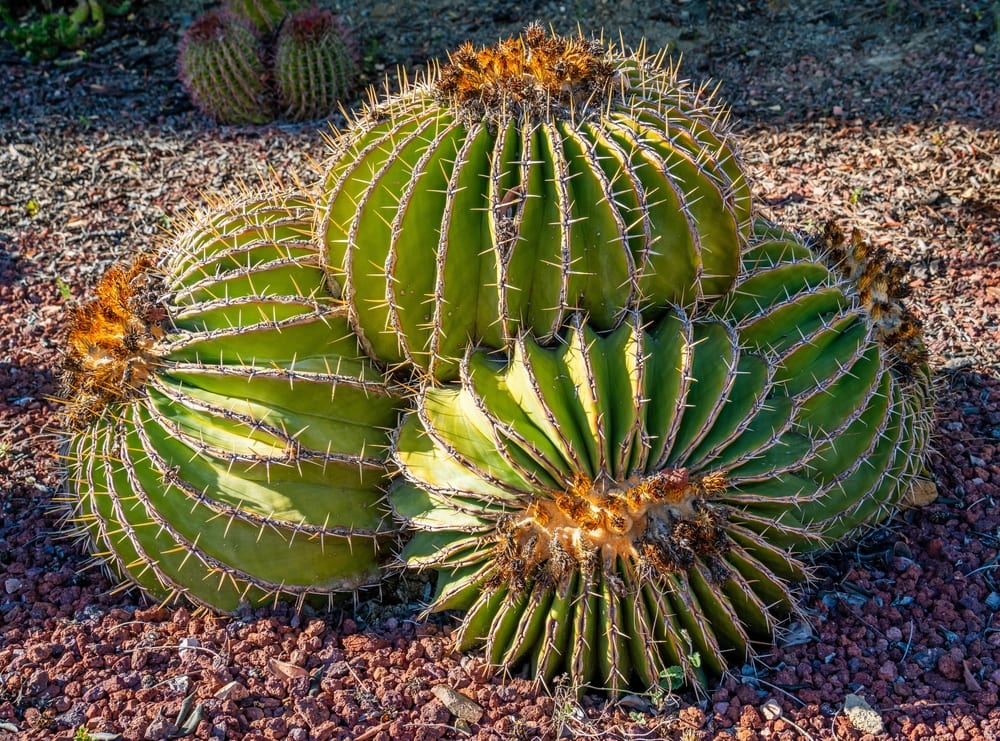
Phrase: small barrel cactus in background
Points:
(227, 440)
(523, 182)
(222, 68)
(315, 64)
(628, 502)
(265, 15)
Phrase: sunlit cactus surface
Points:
(633, 501)
(226, 441)
(525, 181)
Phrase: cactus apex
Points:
(110, 341)
(881, 285)
(533, 75)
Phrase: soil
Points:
(880, 114)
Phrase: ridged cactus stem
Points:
(613, 505)
(315, 64)
(222, 68)
(521, 183)
(265, 15)
(226, 440)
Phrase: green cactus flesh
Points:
(265, 15)
(227, 439)
(622, 502)
(314, 65)
(222, 68)
(521, 183)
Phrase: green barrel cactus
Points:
(625, 503)
(521, 183)
(315, 64)
(222, 68)
(265, 15)
(227, 440)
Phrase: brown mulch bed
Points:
(884, 115)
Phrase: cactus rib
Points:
(226, 437)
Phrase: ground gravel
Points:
(880, 114)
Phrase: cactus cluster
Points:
(250, 62)
(618, 412)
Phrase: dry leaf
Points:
(922, 493)
(771, 709)
(862, 715)
(285, 670)
(458, 704)
(231, 689)
(971, 684)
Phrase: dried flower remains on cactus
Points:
(615, 505)
(521, 183)
(226, 440)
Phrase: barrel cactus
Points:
(226, 439)
(315, 64)
(521, 183)
(222, 68)
(628, 502)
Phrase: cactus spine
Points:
(227, 439)
(222, 68)
(521, 183)
(314, 64)
(612, 506)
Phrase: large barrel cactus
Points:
(227, 439)
(632, 501)
(521, 183)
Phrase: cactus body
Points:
(524, 182)
(222, 68)
(314, 64)
(613, 506)
(265, 15)
(227, 438)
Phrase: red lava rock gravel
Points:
(882, 115)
